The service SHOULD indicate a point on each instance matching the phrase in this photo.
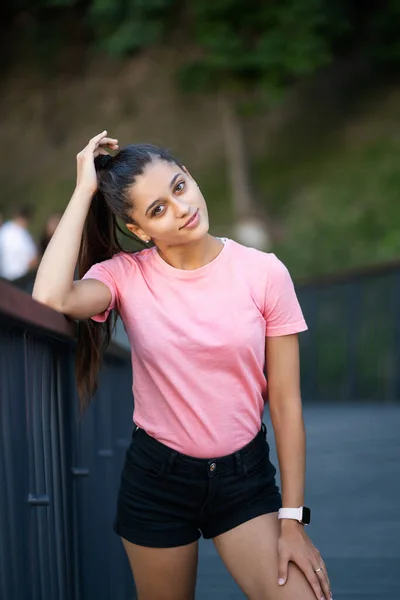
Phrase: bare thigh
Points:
(163, 573)
(250, 552)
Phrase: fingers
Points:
(299, 549)
(107, 141)
(314, 581)
(324, 581)
(98, 141)
(111, 143)
(102, 140)
(99, 151)
(322, 574)
(282, 569)
(318, 580)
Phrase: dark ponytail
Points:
(100, 242)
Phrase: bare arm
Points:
(54, 284)
(283, 372)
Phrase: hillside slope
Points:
(329, 182)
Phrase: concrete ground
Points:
(353, 489)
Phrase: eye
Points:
(158, 210)
(180, 186)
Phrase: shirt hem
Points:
(287, 329)
(102, 317)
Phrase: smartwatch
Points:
(301, 514)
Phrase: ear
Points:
(135, 229)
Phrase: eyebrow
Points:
(175, 177)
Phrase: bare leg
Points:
(163, 573)
(250, 552)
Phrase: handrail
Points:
(47, 446)
(20, 306)
(353, 274)
(335, 277)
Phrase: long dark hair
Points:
(116, 175)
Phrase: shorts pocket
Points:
(259, 462)
(257, 467)
(141, 462)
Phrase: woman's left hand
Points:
(294, 545)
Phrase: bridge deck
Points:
(353, 487)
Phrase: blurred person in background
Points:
(204, 315)
(49, 228)
(18, 251)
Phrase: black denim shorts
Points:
(168, 499)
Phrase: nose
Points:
(181, 208)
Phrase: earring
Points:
(147, 241)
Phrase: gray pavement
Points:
(353, 488)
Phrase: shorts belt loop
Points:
(171, 461)
(264, 429)
(240, 467)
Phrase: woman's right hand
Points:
(86, 178)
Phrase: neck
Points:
(192, 256)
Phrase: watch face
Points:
(306, 518)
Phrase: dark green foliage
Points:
(122, 28)
(272, 41)
(383, 34)
(269, 44)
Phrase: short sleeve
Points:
(282, 311)
(104, 273)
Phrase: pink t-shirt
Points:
(198, 342)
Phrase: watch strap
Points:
(291, 513)
(302, 514)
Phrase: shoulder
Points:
(142, 257)
(264, 274)
(122, 265)
(256, 262)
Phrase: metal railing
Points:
(352, 349)
(59, 472)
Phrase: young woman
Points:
(204, 316)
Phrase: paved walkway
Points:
(353, 488)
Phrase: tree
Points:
(255, 50)
(241, 51)
(247, 54)
(122, 28)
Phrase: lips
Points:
(192, 218)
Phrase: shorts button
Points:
(212, 467)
